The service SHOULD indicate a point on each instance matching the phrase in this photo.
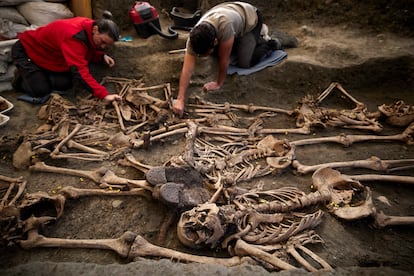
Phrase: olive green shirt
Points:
(229, 19)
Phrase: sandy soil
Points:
(375, 66)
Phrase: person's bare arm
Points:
(186, 73)
(109, 60)
(224, 60)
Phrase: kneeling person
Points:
(231, 27)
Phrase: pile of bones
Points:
(225, 145)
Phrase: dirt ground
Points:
(367, 47)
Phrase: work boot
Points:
(181, 196)
(264, 49)
(183, 175)
(274, 44)
(286, 40)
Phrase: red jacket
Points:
(65, 45)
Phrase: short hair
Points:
(107, 26)
(202, 38)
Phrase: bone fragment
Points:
(22, 156)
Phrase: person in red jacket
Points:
(55, 56)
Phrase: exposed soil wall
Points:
(379, 15)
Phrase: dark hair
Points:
(202, 38)
(107, 26)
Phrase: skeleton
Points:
(311, 114)
(261, 227)
(138, 106)
(130, 245)
(209, 225)
(264, 220)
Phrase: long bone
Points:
(130, 160)
(331, 87)
(110, 178)
(129, 245)
(347, 140)
(292, 246)
(382, 220)
(67, 138)
(227, 130)
(21, 186)
(162, 133)
(136, 143)
(98, 176)
(297, 242)
(142, 248)
(387, 178)
(120, 245)
(91, 154)
(95, 175)
(373, 163)
(70, 192)
(119, 115)
(242, 249)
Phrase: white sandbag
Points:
(5, 86)
(9, 29)
(12, 14)
(42, 13)
(5, 55)
(4, 3)
(8, 76)
(3, 67)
